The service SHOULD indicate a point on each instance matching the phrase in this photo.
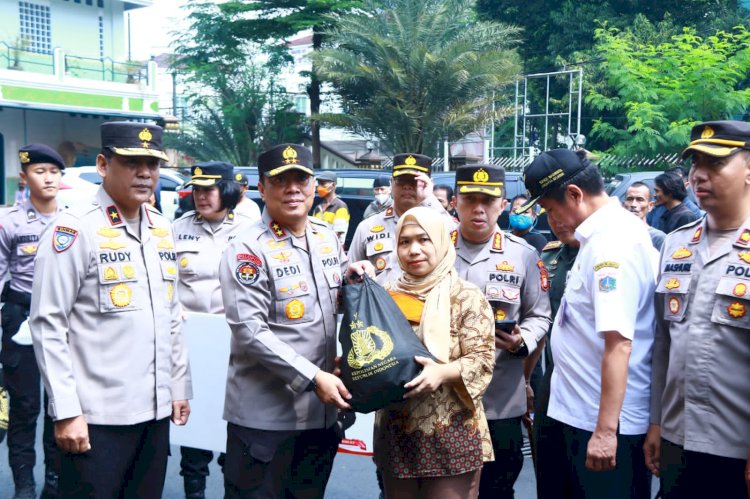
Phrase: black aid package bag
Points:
(378, 347)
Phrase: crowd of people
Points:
(639, 310)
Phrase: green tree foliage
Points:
(236, 110)
(272, 22)
(662, 89)
(555, 31)
(412, 72)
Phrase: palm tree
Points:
(413, 72)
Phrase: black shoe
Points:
(50, 490)
(195, 487)
(23, 477)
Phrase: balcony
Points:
(66, 82)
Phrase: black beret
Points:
(40, 153)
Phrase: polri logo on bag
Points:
(365, 349)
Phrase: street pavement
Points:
(353, 477)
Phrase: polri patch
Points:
(63, 238)
(246, 273)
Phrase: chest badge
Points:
(740, 289)
(121, 295)
(500, 314)
(111, 274)
(184, 262)
(380, 263)
(505, 267)
(737, 310)
(170, 292)
(159, 231)
(744, 256)
(672, 283)
(295, 309)
(128, 271)
(674, 305)
(378, 246)
(107, 232)
(377, 228)
(111, 245)
(682, 253)
(29, 249)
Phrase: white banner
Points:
(207, 337)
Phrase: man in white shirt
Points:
(602, 336)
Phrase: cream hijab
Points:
(434, 288)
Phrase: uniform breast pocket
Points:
(293, 307)
(27, 251)
(674, 288)
(505, 300)
(187, 257)
(377, 246)
(732, 302)
(118, 287)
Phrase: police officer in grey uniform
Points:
(515, 283)
(41, 169)
(201, 237)
(105, 321)
(280, 283)
(374, 239)
(699, 436)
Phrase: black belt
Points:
(17, 297)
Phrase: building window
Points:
(101, 37)
(100, 3)
(36, 30)
(89, 2)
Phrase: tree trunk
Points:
(314, 92)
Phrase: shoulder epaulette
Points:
(552, 245)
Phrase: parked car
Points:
(75, 191)
(171, 181)
(618, 186)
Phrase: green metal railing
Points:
(23, 59)
(104, 69)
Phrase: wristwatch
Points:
(520, 350)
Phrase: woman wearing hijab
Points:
(434, 443)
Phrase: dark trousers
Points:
(124, 462)
(194, 462)
(498, 476)
(23, 382)
(562, 473)
(278, 464)
(688, 474)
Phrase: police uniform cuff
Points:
(301, 382)
(530, 340)
(182, 391)
(64, 408)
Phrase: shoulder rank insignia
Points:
(454, 237)
(113, 215)
(377, 228)
(552, 245)
(697, 235)
(63, 238)
(160, 231)
(744, 256)
(389, 212)
(277, 230)
(682, 253)
(505, 267)
(107, 232)
(497, 242)
(744, 238)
